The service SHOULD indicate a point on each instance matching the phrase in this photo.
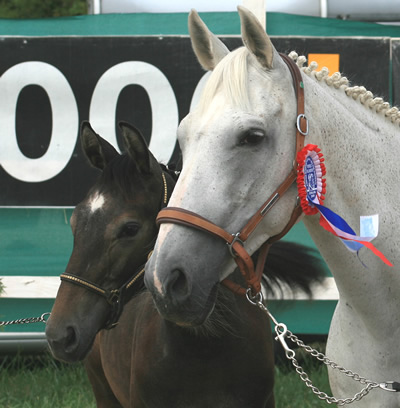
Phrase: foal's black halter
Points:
(117, 298)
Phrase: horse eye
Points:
(130, 229)
(252, 137)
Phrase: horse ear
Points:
(137, 147)
(208, 48)
(98, 151)
(255, 38)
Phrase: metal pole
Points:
(257, 7)
(323, 8)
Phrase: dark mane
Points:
(120, 176)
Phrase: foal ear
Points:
(255, 38)
(98, 151)
(208, 48)
(136, 147)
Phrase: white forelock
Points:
(230, 76)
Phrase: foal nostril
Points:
(71, 339)
(62, 341)
(178, 285)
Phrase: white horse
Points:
(238, 146)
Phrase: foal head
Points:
(114, 230)
(238, 146)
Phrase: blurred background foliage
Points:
(41, 8)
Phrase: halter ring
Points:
(298, 124)
(230, 245)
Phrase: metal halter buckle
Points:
(298, 126)
(113, 297)
(230, 245)
(256, 299)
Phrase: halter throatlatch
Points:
(117, 298)
(236, 241)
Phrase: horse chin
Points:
(188, 315)
(196, 324)
(74, 357)
(218, 322)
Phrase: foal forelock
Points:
(230, 76)
(116, 181)
(119, 178)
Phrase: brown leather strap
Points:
(234, 287)
(294, 217)
(242, 258)
(246, 266)
(185, 217)
(299, 90)
(262, 257)
(264, 209)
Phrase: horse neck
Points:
(360, 149)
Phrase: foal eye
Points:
(130, 229)
(251, 137)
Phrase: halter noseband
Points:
(117, 298)
(236, 241)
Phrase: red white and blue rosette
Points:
(310, 182)
(312, 189)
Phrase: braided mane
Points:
(230, 74)
(358, 93)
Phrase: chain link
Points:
(27, 320)
(283, 333)
(369, 385)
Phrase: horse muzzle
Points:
(178, 297)
(71, 329)
(65, 342)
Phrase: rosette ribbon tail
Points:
(336, 225)
(311, 187)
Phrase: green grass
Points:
(290, 390)
(41, 382)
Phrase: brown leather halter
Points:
(236, 241)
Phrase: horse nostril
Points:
(178, 286)
(71, 339)
(63, 342)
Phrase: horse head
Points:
(238, 145)
(114, 230)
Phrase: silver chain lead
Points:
(42, 318)
(282, 333)
(369, 385)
